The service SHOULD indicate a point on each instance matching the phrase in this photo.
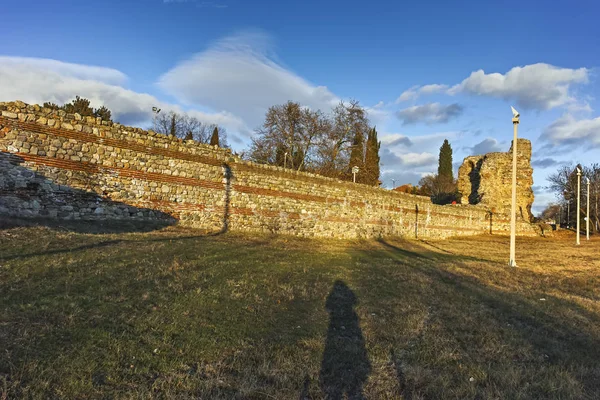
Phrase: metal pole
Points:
(578, 202)
(354, 177)
(284, 159)
(513, 209)
(587, 215)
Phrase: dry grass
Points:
(176, 314)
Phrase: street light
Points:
(393, 183)
(513, 209)
(354, 172)
(285, 160)
(587, 214)
(578, 202)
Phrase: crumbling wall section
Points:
(487, 180)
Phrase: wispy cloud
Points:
(535, 86)
(36, 80)
(568, 131)
(547, 162)
(239, 74)
(414, 92)
(391, 158)
(488, 145)
(431, 113)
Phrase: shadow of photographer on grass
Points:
(345, 366)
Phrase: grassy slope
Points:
(174, 314)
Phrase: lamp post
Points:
(587, 214)
(393, 183)
(285, 159)
(354, 172)
(578, 202)
(513, 209)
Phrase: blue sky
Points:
(426, 70)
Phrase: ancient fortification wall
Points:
(487, 180)
(59, 165)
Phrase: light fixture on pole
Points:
(578, 202)
(513, 209)
(587, 214)
(354, 172)
(285, 160)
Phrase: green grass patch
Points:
(177, 314)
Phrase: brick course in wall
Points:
(62, 165)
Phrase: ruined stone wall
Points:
(65, 166)
(487, 180)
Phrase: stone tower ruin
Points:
(487, 180)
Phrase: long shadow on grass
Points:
(345, 366)
(108, 243)
(524, 347)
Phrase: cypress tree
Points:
(445, 162)
(214, 139)
(372, 159)
(357, 156)
(173, 130)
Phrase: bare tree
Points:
(564, 184)
(334, 148)
(441, 189)
(187, 127)
(288, 136)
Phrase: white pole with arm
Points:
(513, 209)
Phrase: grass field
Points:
(178, 314)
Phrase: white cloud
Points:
(239, 75)
(430, 113)
(418, 159)
(396, 139)
(488, 145)
(390, 158)
(537, 86)
(547, 162)
(568, 131)
(35, 80)
(29, 65)
(377, 114)
(415, 91)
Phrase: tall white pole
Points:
(513, 209)
(578, 202)
(587, 214)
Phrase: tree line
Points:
(186, 127)
(179, 125)
(564, 184)
(296, 137)
(329, 144)
(82, 107)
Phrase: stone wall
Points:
(59, 165)
(487, 180)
